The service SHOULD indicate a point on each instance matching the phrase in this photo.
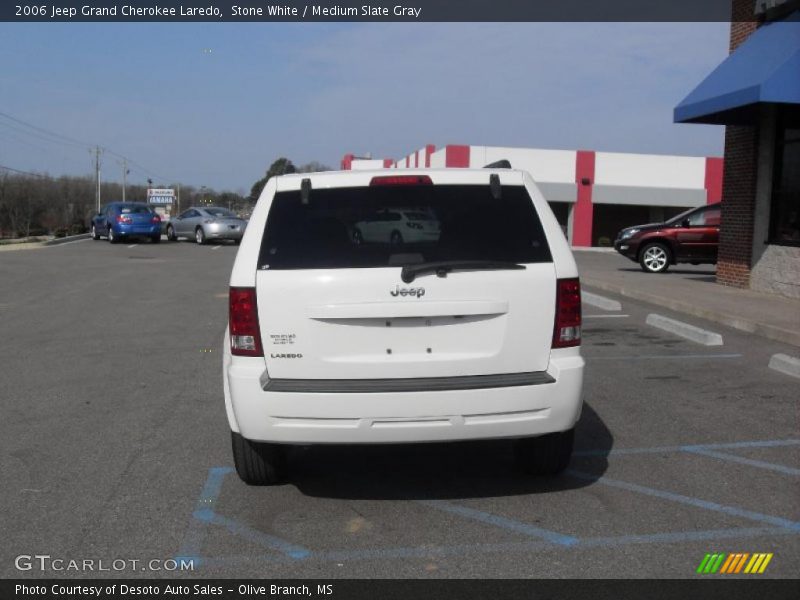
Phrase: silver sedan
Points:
(206, 224)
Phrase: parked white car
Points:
(396, 227)
(472, 335)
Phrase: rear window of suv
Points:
(353, 228)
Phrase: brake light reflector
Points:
(124, 219)
(400, 180)
(567, 331)
(243, 322)
(155, 219)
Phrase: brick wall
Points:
(739, 178)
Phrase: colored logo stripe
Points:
(711, 563)
(734, 563)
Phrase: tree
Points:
(313, 167)
(282, 166)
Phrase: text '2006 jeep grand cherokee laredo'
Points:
(470, 333)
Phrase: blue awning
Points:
(763, 69)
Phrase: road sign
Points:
(160, 196)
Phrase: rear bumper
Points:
(135, 230)
(394, 417)
(218, 232)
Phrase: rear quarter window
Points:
(353, 228)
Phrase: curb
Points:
(600, 301)
(762, 329)
(69, 238)
(684, 330)
(788, 365)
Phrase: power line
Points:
(45, 131)
(22, 172)
(66, 140)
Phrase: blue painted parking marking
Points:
(204, 515)
(262, 539)
(741, 460)
(430, 552)
(689, 448)
(502, 522)
(680, 498)
(280, 550)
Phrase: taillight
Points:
(124, 219)
(243, 322)
(567, 331)
(155, 219)
(400, 180)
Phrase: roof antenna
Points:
(305, 190)
(494, 185)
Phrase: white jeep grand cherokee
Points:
(470, 333)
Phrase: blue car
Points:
(120, 220)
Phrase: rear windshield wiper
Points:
(441, 268)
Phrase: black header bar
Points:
(708, 588)
(368, 10)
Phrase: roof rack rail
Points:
(499, 164)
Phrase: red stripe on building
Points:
(456, 156)
(583, 211)
(416, 159)
(713, 183)
(387, 163)
(347, 162)
(429, 149)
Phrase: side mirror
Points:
(685, 223)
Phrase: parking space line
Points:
(133, 245)
(661, 449)
(205, 515)
(605, 316)
(259, 537)
(502, 522)
(203, 510)
(428, 551)
(663, 356)
(688, 500)
(741, 460)
(216, 247)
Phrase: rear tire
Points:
(95, 235)
(655, 258)
(358, 237)
(396, 238)
(258, 463)
(112, 237)
(171, 234)
(546, 455)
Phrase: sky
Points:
(214, 104)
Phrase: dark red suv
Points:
(690, 237)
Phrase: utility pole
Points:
(97, 175)
(125, 171)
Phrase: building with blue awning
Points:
(755, 92)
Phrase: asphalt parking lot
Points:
(114, 444)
